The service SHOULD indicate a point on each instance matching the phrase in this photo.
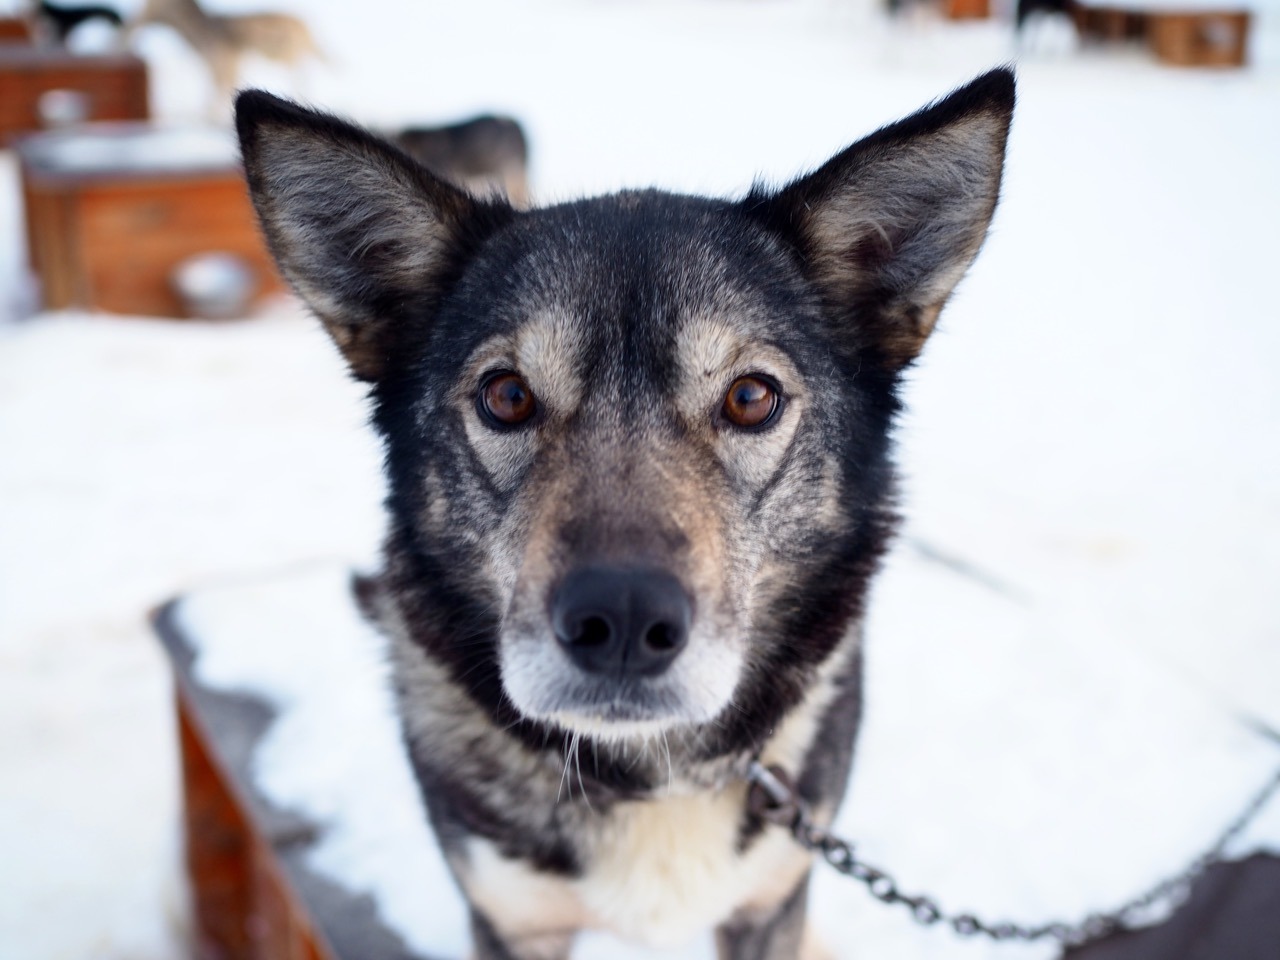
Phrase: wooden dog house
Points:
(112, 211)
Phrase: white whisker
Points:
(577, 765)
(564, 774)
(670, 772)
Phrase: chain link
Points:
(774, 798)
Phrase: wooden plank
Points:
(244, 907)
(218, 848)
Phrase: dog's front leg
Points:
(491, 945)
(776, 934)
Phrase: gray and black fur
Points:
(602, 613)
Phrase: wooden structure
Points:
(112, 210)
(114, 87)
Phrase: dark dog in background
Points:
(481, 155)
(639, 474)
(61, 19)
(1032, 10)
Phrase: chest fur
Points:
(657, 871)
(660, 870)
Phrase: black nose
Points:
(627, 622)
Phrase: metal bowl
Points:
(215, 285)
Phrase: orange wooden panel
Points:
(217, 849)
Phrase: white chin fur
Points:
(546, 687)
(611, 731)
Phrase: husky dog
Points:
(638, 451)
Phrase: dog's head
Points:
(637, 445)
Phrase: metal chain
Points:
(774, 798)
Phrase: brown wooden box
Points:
(111, 211)
(115, 86)
(1204, 39)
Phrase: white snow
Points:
(1094, 426)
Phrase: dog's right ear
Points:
(367, 237)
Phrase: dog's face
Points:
(638, 444)
(629, 435)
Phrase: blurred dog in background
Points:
(224, 40)
(59, 20)
(483, 155)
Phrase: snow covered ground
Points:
(1095, 426)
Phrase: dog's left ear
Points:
(887, 227)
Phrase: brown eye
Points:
(507, 400)
(750, 402)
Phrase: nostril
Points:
(591, 632)
(662, 637)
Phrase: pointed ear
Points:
(367, 237)
(887, 227)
